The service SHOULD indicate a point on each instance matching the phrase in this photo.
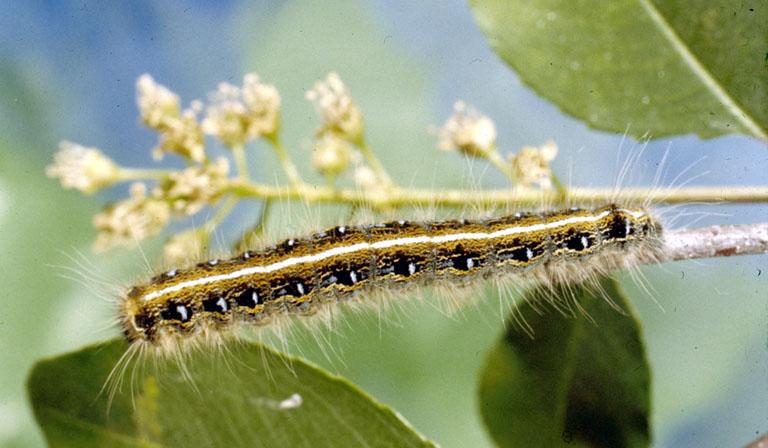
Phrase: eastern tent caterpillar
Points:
(297, 276)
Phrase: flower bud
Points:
(337, 110)
(85, 169)
(468, 131)
(331, 155)
(531, 166)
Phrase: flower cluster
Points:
(468, 131)
(156, 103)
(142, 215)
(131, 220)
(191, 189)
(531, 166)
(179, 130)
(337, 110)
(474, 134)
(85, 169)
(237, 115)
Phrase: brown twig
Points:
(715, 241)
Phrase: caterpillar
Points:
(300, 275)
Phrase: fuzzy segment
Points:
(346, 261)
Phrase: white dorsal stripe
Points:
(394, 242)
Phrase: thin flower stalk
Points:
(290, 169)
(504, 198)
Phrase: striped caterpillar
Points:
(298, 276)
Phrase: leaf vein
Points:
(698, 69)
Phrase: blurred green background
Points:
(67, 71)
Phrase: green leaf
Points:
(581, 380)
(640, 66)
(233, 398)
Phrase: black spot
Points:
(346, 277)
(176, 311)
(287, 246)
(300, 288)
(578, 242)
(465, 261)
(215, 304)
(209, 263)
(618, 228)
(344, 274)
(169, 274)
(291, 287)
(144, 321)
(405, 267)
(392, 227)
(247, 255)
(522, 254)
(249, 298)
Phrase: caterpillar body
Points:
(299, 275)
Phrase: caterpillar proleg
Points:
(300, 275)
